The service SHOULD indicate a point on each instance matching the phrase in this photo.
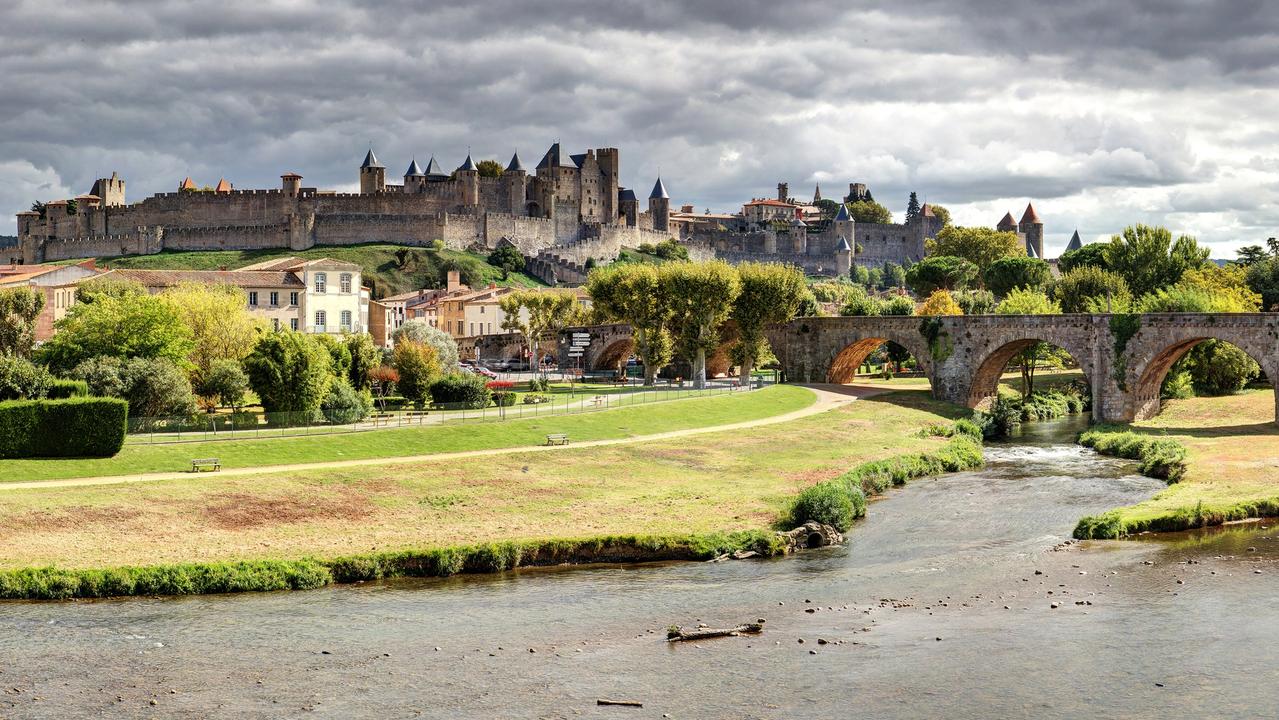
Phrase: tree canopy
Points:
(1088, 288)
(1149, 259)
(490, 168)
(980, 246)
(221, 327)
(539, 314)
(1093, 255)
(633, 294)
(1016, 271)
(940, 272)
(869, 211)
(289, 371)
(420, 331)
(940, 302)
(118, 320)
(701, 296)
(19, 308)
(770, 293)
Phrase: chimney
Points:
(454, 283)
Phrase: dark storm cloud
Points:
(973, 103)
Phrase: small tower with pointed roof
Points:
(628, 206)
(1007, 224)
(659, 207)
(414, 178)
(468, 178)
(372, 175)
(515, 183)
(1033, 229)
(817, 193)
(843, 256)
(843, 225)
(1075, 243)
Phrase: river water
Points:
(940, 607)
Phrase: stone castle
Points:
(568, 209)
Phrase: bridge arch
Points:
(984, 385)
(1164, 339)
(613, 355)
(846, 360)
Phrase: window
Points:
(321, 319)
(275, 298)
(481, 309)
(253, 298)
(344, 283)
(293, 298)
(275, 324)
(293, 324)
(321, 282)
(346, 319)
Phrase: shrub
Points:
(828, 503)
(74, 427)
(419, 331)
(499, 384)
(1001, 420)
(1162, 458)
(344, 404)
(535, 399)
(539, 384)
(21, 379)
(504, 398)
(241, 420)
(60, 389)
(290, 372)
(417, 365)
(467, 391)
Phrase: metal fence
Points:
(247, 425)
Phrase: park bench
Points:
(557, 438)
(214, 463)
(599, 400)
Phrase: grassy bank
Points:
(682, 498)
(399, 442)
(388, 269)
(1231, 465)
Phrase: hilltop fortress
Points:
(570, 208)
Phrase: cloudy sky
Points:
(1104, 113)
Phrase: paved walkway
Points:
(829, 397)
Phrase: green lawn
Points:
(385, 272)
(620, 423)
(719, 481)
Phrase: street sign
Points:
(581, 336)
(575, 352)
(581, 343)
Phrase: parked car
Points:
(483, 371)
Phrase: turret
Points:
(610, 167)
(1033, 228)
(628, 207)
(1075, 242)
(515, 180)
(799, 235)
(468, 176)
(372, 175)
(290, 184)
(659, 207)
(414, 178)
(843, 257)
(783, 192)
(843, 223)
(817, 193)
(111, 190)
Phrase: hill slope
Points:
(388, 269)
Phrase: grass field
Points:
(1233, 458)
(606, 424)
(725, 481)
(384, 272)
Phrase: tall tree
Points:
(290, 372)
(912, 206)
(1088, 288)
(118, 321)
(489, 168)
(221, 327)
(538, 315)
(770, 294)
(417, 366)
(940, 272)
(365, 356)
(633, 294)
(1093, 255)
(1252, 254)
(420, 331)
(980, 246)
(19, 308)
(1149, 259)
(869, 211)
(1016, 271)
(702, 296)
(1029, 302)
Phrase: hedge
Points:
(60, 389)
(74, 427)
(467, 391)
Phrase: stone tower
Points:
(111, 190)
(799, 236)
(843, 224)
(372, 175)
(290, 184)
(468, 177)
(659, 207)
(1007, 224)
(414, 178)
(843, 257)
(1033, 228)
(610, 166)
(515, 180)
(628, 206)
(783, 192)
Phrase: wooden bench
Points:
(599, 400)
(557, 438)
(214, 463)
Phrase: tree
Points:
(290, 372)
(339, 354)
(858, 304)
(21, 379)
(538, 315)
(418, 367)
(118, 321)
(1228, 285)
(633, 294)
(1148, 259)
(940, 272)
(19, 308)
(702, 296)
(869, 211)
(489, 168)
(912, 206)
(1263, 279)
(1088, 288)
(364, 357)
(1016, 271)
(770, 293)
(344, 404)
(894, 276)
(420, 331)
(897, 305)
(1093, 255)
(940, 302)
(980, 246)
(1022, 301)
(829, 208)
(975, 302)
(226, 382)
(507, 257)
(153, 387)
(941, 214)
(671, 249)
(221, 328)
(860, 275)
(1252, 254)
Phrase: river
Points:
(940, 606)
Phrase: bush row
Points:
(1162, 458)
(1008, 412)
(1113, 525)
(264, 575)
(840, 501)
(74, 427)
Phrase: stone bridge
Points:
(1124, 358)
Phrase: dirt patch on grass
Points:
(242, 511)
(79, 517)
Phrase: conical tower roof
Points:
(468, 165)
(414, 170)
(433, 169)
(817, 192)
(1007, 223)
(659, 191)
(1030, 216)
(842, 215)
(1075, 243)
(515, 165)
(1030, 251)
(370, 161)
(843, 245)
